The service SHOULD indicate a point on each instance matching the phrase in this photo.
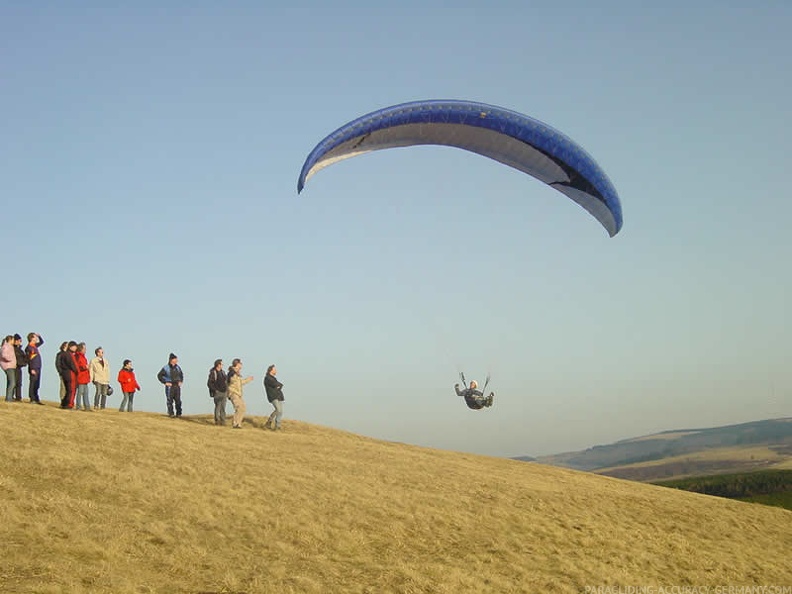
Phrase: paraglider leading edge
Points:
(509, 137)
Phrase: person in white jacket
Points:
(99, 369)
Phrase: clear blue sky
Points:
(149, 155)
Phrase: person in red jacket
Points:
(83, 378)
(129, 385)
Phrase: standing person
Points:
(218, 390)
(34, 366)
(64, 348)
(69, 374)
(274, 391)
(8, 364)
(172, 376)
(21, 361)
(235, 384)
(129, 385)
(99, 369)
(83, 378)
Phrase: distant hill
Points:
(133, 503)
(681, 453)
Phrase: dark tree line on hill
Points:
(737, 486)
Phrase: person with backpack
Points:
(218, 391)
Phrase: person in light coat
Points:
(235, 384)
(99, 369)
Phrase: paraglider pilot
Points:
(474, 398)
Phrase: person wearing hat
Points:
(172, 376)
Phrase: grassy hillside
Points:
(116, 502)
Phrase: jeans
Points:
(127, 402)
(18, 389)
(10, 384)
(276, 414)
(34, 382)
(220, 399)
(82, 397)
(100, 397)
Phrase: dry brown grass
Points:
(112, 502)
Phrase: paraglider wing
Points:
(511, 138)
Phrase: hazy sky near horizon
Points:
(149, 157)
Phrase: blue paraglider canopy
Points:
(509, 137)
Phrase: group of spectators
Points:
(13, 359)
(228, 386)
(76, 373)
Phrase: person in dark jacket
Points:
(21, 361)
(172, 376)
(34, 366)
(474, 398)
(274, 391)
(64, 347)
(68, 371)
(218, 391)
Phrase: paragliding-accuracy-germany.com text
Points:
(688, 589)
